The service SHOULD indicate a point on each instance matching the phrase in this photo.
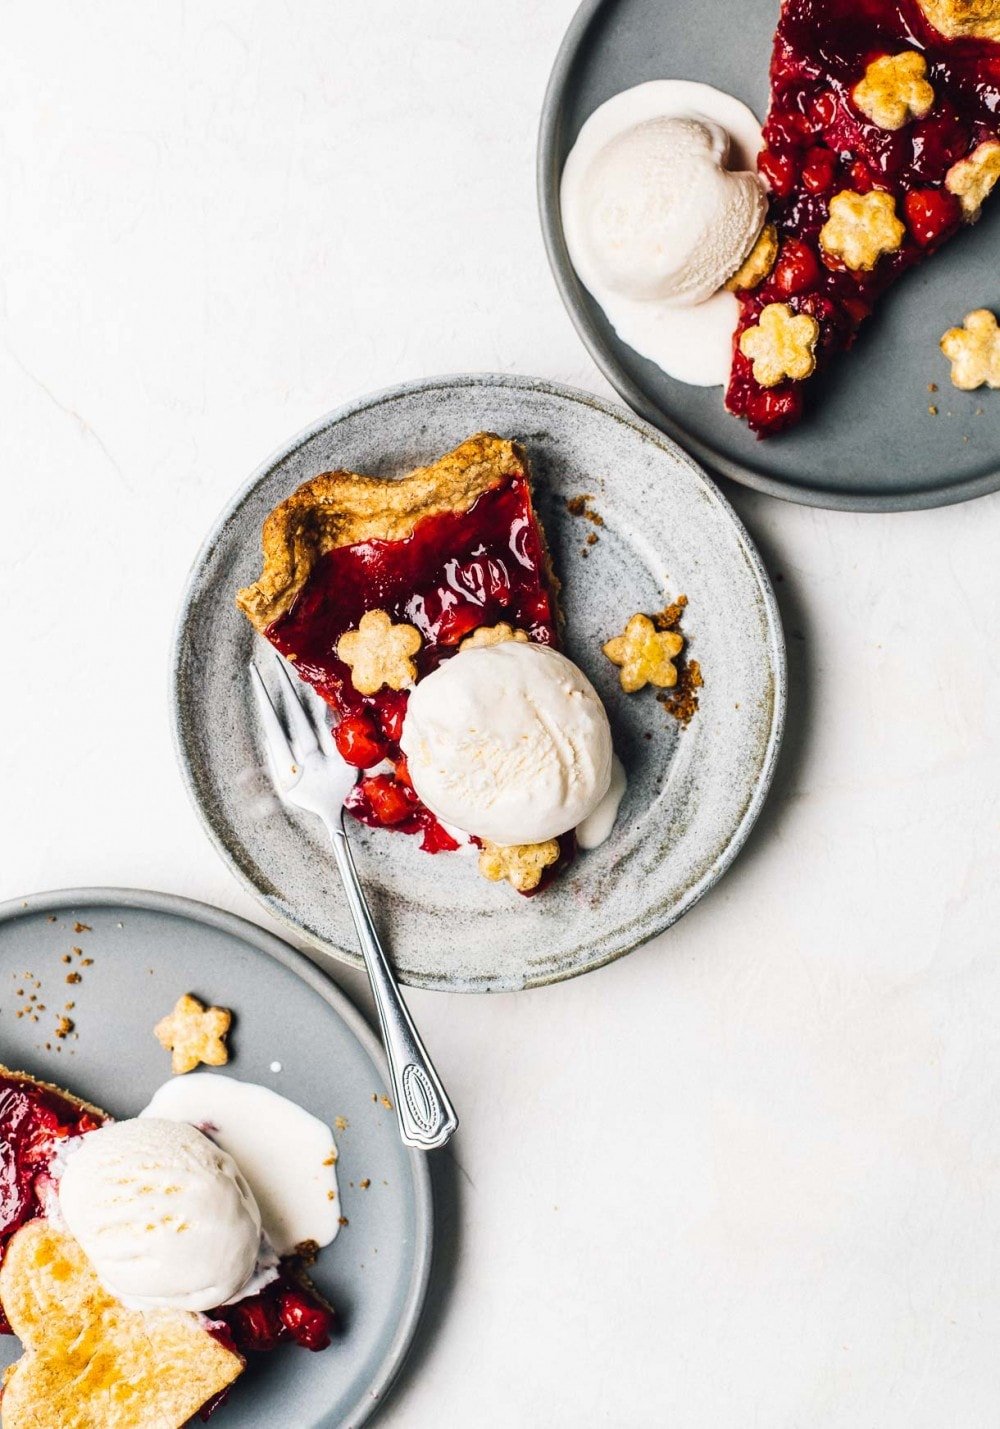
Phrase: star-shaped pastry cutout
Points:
(522, 865)
(645, 655)
(895, 89)
(861, 227)
(781, 344)
(380, 653)
(974, 351)
(194, 1033)
(972, 179)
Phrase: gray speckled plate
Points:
(868, 441)
(147, 949)
(692, 796)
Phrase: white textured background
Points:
(749, 1177)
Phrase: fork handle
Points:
(426, 1117)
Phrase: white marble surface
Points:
(749, 1176)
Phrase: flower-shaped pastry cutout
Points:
(861, 227)
(781, 344)
(522, 865)
(895, 90)
(194, 1033)
(974, 351)
(380, 653)
(971, 180)
(486, 635)
(758, 262)
(954, 18)
(645, 655)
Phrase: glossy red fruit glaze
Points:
(359, 741)
(306, 1321)
(819, 169)
(390, 799)
(776, 407)
(930, 214)
(283, 1312)
(797, 268)
(34, 1121)
(821, 51)
(779, 170)
(456, 572)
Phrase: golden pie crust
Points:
(954, 18)
(520, 865)
(30, 1081)
(91, 1363)
(341, 508)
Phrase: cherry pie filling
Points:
(455, 572)
(35, 1121)
(818, 143)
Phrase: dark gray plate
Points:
(692, 798)
(868, 441)
(147, 949)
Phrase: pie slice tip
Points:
(882, 140)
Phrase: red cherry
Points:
(930, 213)
(307, 1321)
(256, 1325)
(817, 306)
(937, 143)
(773, 409)
(358, 740)
(818, 170)
(797, 269)
(778, 170)
(823, 110)
(436, 839)
(787, 128)
(862, 180)
(391, 713)
(457, 622)
(856, 309)
(390, 801)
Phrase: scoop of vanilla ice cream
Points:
(662, 216)
(163, 1214)
(510, 742)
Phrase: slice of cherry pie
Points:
(370, 583)
(882, 140)
(88, 1359)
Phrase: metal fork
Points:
(310, 773)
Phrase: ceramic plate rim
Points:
(147, 900)
(646, 430)
(547, 174)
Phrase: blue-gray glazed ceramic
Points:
(693, 794)
(869, 441)
(292, 1031)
